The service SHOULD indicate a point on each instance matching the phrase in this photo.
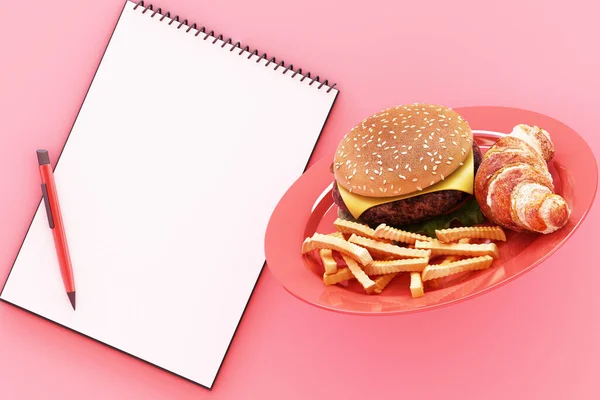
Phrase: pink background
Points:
(537, 337)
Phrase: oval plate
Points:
(307, 207)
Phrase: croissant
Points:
(514, 187)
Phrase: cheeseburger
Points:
(410, 167)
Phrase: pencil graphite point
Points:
(72, 298)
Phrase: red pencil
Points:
(56, 223)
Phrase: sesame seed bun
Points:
(402, 150)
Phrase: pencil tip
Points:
(72, 298)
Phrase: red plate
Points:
(307, 207)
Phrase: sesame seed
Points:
(425, 167)
(372, 178)
(404, 152)
(391, 169)
(425, 146)
(441, 139)
(461, 164)
(406, 166)
(367, 172)
(414, 179)
(442, 176)
(419, 188)
(435, 167)
(402, 177)
(409, 147)
(384, 181)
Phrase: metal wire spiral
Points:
(238, 45)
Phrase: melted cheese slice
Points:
(461, 179)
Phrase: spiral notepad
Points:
(182, 147)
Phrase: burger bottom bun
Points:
(412, 210)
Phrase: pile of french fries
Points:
(374, 257)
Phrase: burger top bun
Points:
(402, 150)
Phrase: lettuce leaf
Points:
(468, 215)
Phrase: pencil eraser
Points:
(43, 157)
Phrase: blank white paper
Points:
(176, 160)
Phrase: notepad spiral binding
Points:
(213, 35)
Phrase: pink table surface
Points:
(537, 337)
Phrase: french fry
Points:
(416, 285)
(386, 249)
(350, 227)
(329, 262)
(359, 274)
(450, 259)
(435, 283)
(460, 249)
(341, 275)
(387, 232)
(320, 241)
(473, 232)
(469, 264)
(382, 281)
(404, 265)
